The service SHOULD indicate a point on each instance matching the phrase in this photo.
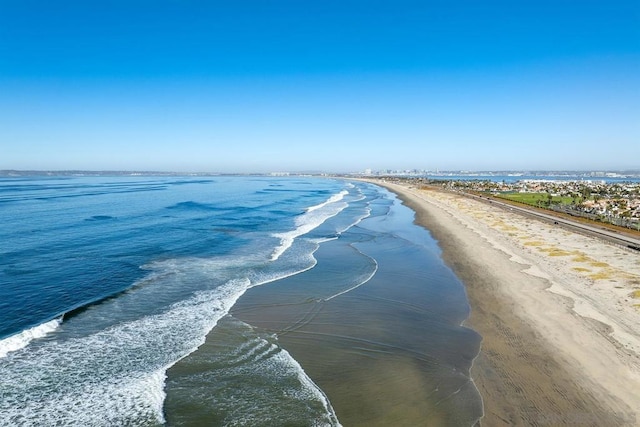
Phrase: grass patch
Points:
(602, 275)
(581, 269)
(635, 294)
(555, 251)
(599, 264)
(533, 243)
(559, 252)
(536, 199)
(581, 258)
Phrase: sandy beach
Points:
(556, 310)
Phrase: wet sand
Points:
(560, 327)
(391, 352)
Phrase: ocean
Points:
(226, 301)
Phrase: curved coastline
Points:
(548, 357)
(381, 356)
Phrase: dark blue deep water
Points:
(107, 282)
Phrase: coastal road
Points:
(600, 232)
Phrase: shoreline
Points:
(392, 350)
(560, 333)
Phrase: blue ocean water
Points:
(107, 282)
(67, 242)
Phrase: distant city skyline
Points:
(632, 174)
(258, 87)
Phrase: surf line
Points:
(373, 273)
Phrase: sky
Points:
(335, 86)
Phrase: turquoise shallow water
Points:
(109, 286)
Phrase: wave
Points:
(103, 369)
(81, 308)
(357, 285)
(100, 218)
(114, 376)
(125, 364)
(312, 218)
(22, 339)
(313, 388)
(356, 221)
(269, 385)
(195, 206)
(335, 198)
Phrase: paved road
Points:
(603, 233)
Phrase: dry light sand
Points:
(559, 313)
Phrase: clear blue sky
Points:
(256, 86)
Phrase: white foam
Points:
(311, 219)
(22, 339)
(116, 375)
(113, 377)
(357, 221)
(304, 263)
(365, 280)
(266, 366)
(310, 388)
(332, 199)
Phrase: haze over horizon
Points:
(252, 86)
